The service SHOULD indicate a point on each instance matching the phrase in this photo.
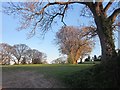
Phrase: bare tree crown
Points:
(43, 15)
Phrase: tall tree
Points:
(43, 15)
(73, 42)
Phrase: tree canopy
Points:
(74, 43)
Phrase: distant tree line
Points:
(20, 54)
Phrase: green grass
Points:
(54, 70)
(91, 62)
(73, 76)
(57, 71)
(96, 76)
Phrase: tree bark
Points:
(75, 62)
(18, 61)
(105, 33)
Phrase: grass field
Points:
(56, 71)
(86, 75)
(53, 70)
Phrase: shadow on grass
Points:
(93, 77)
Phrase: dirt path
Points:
(27, 79)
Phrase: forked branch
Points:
(114, 15)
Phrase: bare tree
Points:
(34, 56)
(44, 58)
(5, 53)
(60, 60)
(42, 15)
(74, 43)
(23, 61)
(28, 55)
(19, 51)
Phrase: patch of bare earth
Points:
(27, 79)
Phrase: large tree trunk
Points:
(75, 62)
(18, 61)
(105, 33)
(71, 59)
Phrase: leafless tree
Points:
(44, 58)
(19, 51)
(42, 15)
(5, 53)
(74, 43)
(20, 54)
(60, 60)
(35, 56)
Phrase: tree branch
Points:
(99, 7)
(114, 15)
(62, 20)
(108, 5)
(60, 3)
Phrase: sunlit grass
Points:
(85, 75)
(54, 70)
(60, 72)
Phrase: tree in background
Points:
(35, 57)
(29, 56)
(20, 54)
(23, 61)
(99, 58)
(42, 15)
(5, 53)
(88, 58)
(95, 58)
(60, 60)
(19, 51)
(44, 58)
(74, 43)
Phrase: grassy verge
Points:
(94, 77)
